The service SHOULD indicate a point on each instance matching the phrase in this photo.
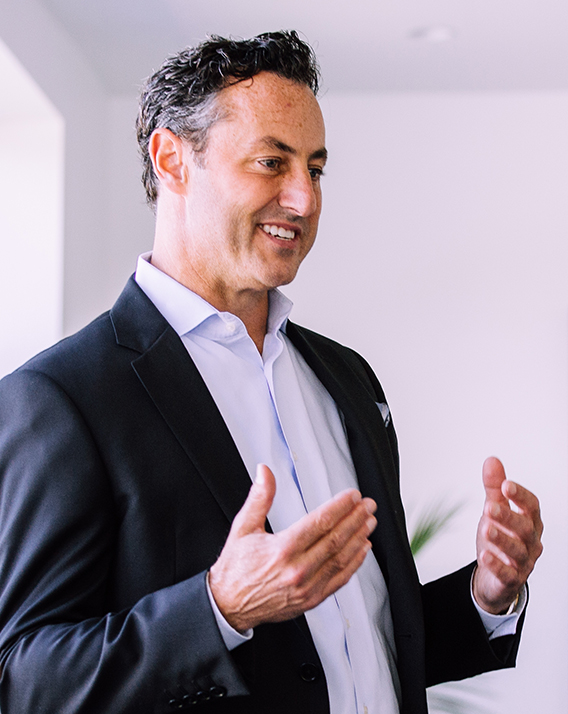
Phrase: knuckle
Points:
(312, 600)
(295, 578)
(335, 543)
(305, 595)
(521, 558)
(324, 521)
(332, 568)
(286, 550)
(525, 531)
(510, 579)
(339, 563)
(490, 533)
(342, 580)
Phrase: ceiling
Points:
(375, 45)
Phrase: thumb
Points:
(252, 515)
(493, 478)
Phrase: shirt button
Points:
(231, 327)
(309, 672)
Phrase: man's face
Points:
(253, 202)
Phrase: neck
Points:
(250, 306)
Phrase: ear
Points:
(169, 154)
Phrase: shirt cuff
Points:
(231, 637)
(501, 625)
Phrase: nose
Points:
(300, 193)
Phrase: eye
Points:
(316, 173)
(272, 164)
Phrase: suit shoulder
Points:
(76, 351)
(321, 342)
(334, 352)
(326, 346)
(108, 342)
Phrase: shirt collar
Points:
(186, 310)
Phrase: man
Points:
(138, 570)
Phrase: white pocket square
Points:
(385, 412)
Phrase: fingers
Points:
(525, 501)
(323, 520)
(508, 542)
(511, 550)
(330, 562)
(340, 567)
(493, 478)
(252, 516)
(342, 549)
(524, 525)
(515, 536)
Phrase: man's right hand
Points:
(264, 577)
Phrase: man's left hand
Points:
(508, 542)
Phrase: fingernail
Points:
(371, 506)
(355, 496)
(259, 477)
(371, 523)
(492, 534)
(511, 488)
(494, 509)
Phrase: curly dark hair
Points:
(181, 95)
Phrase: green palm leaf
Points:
(430, 524)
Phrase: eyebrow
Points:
(274, 143)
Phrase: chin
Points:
(277, 281)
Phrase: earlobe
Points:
(167, 153)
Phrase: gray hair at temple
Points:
(181, 95)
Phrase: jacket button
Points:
(309, 672)
(216, 691)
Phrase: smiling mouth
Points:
(278, 231)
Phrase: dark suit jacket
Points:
(118, 484)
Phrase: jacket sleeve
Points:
(457, 644)
(60, 650)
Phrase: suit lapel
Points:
(178, 391)
(377, 473)
(368, 441)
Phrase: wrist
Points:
(504, 605)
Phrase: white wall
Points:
(131, 222)
(31, 217)
(57, 64)
(443, 258)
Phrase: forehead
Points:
(269, 105)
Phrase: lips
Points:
(278, 231)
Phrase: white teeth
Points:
(278, 231)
